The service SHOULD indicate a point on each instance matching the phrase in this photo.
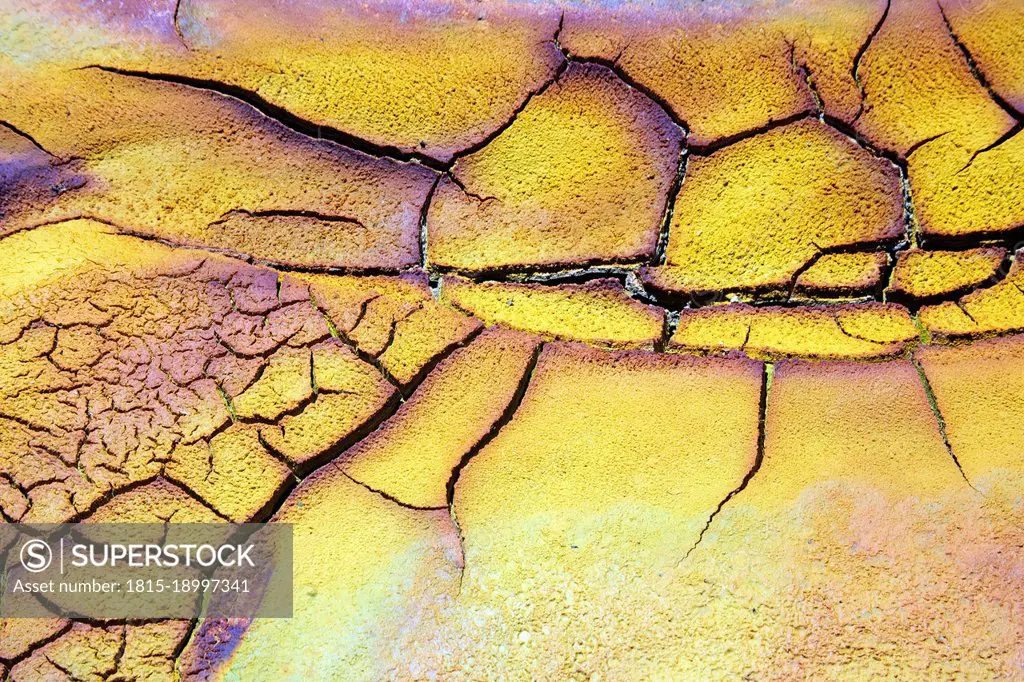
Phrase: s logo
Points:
(36, 556)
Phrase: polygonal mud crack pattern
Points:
(219, 376)
(625, 333)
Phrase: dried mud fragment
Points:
(350, 397)
(414, 81)
(19, 635)
(599, 312)
(843, 274)
(723, 74)
(979, 390)
(158, 502)
(993, 34)
(998, 309)
(234, 473)
(580, 176)
(143, 651)
(848, 503)
(572, 433)
(964, 192)
(581, 505)
(411, 457)
(395, 320)
(921, 275)
(175, 162)
(917, 85)
(125, 362)
(422, 338)
(749, 216)
(856, 331)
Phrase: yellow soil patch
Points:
(750, 215)
(722, 77)
(993, 32)
(823, 424)
(993, 310)
(863, 331)
(838, 274)
(70, 249)
(18, 635)
(598, 312)
(604, 477)
(962, 191)
(979, 390)
(411, 81)
(850, 504)
(917, 85)
(156, 502)
(576, 430)
(422, 337)
(233, 472)
(581, 175)
(412, 456)
(365, 569)
(920, 274)
(178, 163)
(393, 319)
(348, 396)
(125, 360)
(415, 80)
(827, 36)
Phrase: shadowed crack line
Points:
(477, 146)
(288, 213)
(723, 142)
(804, 71)
(914, 303)
(579, 275)
(469, 193)
(31, 140)
(342, 336)
(389, 498)
(668, 328)
(505, 417)
(620, 72)
(1012, 239)
(177, 25)
(933, 403)
(960, 304)
(767, 375)
(1005, 137)
(280, 114)
(897, 160)
(854, 247)
(522, 272)
(855, 71)
(424, 211)
(920, 143)
(976, 71)
(670, 207)
(429, 366)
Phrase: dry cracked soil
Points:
(586, 341)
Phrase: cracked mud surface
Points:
(578, 341)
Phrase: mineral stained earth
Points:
(596, 341)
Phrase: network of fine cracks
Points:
(556, 275)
